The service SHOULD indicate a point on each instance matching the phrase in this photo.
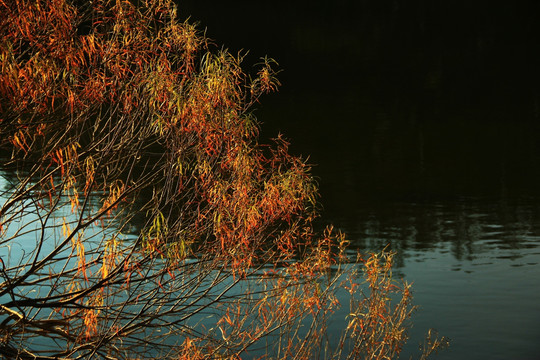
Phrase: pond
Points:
(474, 265)
(473, 262)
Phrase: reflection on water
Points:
(460, 204)
(474, 264)
(468, 228)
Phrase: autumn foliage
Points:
(155, 224)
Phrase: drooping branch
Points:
(144, 218)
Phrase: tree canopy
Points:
(141, 216)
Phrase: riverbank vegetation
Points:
(142, 218)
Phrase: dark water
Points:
(474, 264)
(423, 120)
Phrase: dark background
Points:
(410, 100)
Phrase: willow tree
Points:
(140, 216)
